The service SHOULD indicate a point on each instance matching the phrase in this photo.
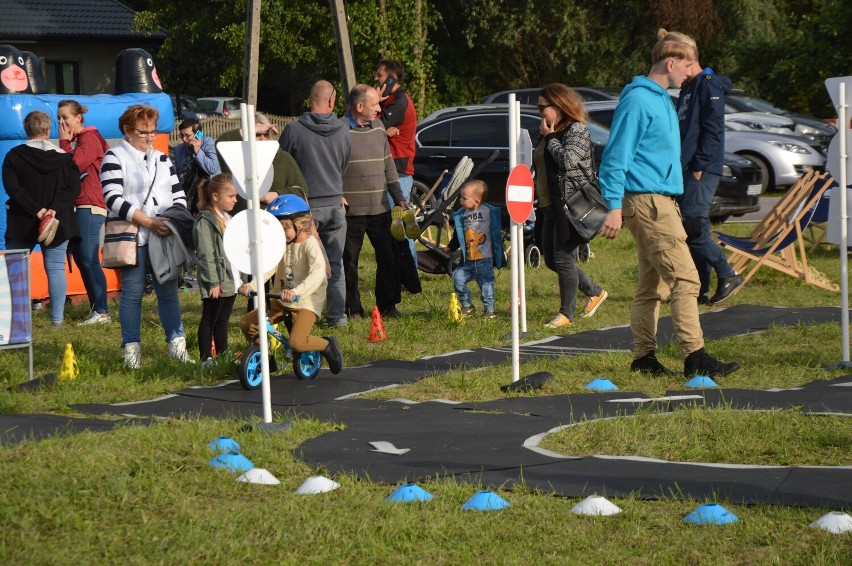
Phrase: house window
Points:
(63, 77)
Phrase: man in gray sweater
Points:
(370, 177)
(319, 142)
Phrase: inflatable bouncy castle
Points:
(23, 89)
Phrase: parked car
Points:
(530, 95)
(190, 108)
(748, 120)
(447, 135)
(227, 106)
(808, 126)
(781, 159)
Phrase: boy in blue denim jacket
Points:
(479, 224)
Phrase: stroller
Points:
(434, 222)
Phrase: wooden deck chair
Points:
(818, 228)
(785, 251)
(776, 220)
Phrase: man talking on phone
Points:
(399, 118)
(195, 159)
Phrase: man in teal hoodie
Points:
(640, 178)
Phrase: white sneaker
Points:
(132, 355)
(209, 363)
(177, 350)
(96, 318)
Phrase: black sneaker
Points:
(392, 312)
(726, 288)
(649, 364)
(333, 355)
(701, 363)
(703, 300)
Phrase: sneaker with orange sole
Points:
(592, 304)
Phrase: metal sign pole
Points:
(844, 218)
(251, 184)
(522, 267)
(514, 118)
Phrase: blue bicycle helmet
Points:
(287, 206)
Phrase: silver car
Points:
(783, 159)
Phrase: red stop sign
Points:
(519, 193)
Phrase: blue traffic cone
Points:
(407, 493)
(485, 501)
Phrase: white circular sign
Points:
(238, 246)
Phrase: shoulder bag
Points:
(120, 238)
(585, 208)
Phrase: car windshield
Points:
(209, 105)
(749, 104)
(191, 104)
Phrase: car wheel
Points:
(765, 169)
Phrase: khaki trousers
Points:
(300, 332)
(666, 269)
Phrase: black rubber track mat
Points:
(495, 443)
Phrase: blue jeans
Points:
(695, 209)
(130, 305)
(483, 271)
(331, 225)
(561, 258)
(53, 259)
(88, 259)
(406, 182)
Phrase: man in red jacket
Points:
(400, 120)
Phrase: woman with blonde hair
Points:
(564, 162)
(87, 146)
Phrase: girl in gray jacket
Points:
(216, 278)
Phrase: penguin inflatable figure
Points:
(13, 76)
(32, 65)
(135, 72)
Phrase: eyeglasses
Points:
(541, 107)
(144, 133)
(182, 136)
(267, 135)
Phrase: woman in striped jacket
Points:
(139, 182)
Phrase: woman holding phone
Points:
(563, 160)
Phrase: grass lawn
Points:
(148, 495)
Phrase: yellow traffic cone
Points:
(455, 313)
(70, 369)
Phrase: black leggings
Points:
(215, 315)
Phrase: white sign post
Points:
(519, 201)
(840, 91)
(243, 160)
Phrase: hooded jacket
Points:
(643, 152)
(701, 113)
(39, 175)
(214, 269)
(321, 146)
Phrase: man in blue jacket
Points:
(701, 112)
(195, 159)
(640, 179)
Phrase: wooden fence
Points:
(217, 125)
